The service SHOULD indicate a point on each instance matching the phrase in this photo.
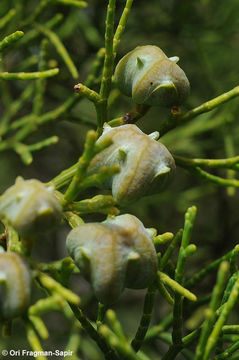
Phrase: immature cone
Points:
(146, 164)
(148, 76)
(115, 254)
(30, 207)
(15, 285)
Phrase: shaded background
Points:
(204, 34)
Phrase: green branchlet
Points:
(137, 342)
(76, 3)
(39, 326)
(33, 340)
(194, 167)
(123, 348)
(55, 287)
(33, 34)
(164, 292)
(10, 39)
(177, 345)
(181, 119)
(41, 83)
(162, 239)
(80, 181)
(60, 48)
(166, 280)
(168, 253)
(121, 26)
(210, 315)
(98, 337)
(7, 18)
(196, 278)
(115, 324)
(51, 303)
(212, 340)
(15, 107)
(29, 76)
(104, 204)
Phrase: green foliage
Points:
(56, 78)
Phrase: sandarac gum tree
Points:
(88, 204)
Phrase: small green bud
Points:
(30, 207)
(148, 76)
(15, 285)
(115, 254)
(146, 164)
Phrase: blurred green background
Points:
(204, 34)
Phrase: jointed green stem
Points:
(83, 163)
(230, 152)
(101, 314)
(230, 329)
(30, 75)
(74, 341)
(64, 177)
(115, 324)
(40, 83)
(210, 105)
(37, 12)
(123, 347)
(145, 319)
(168, 253)
(13, 242)
(96, 67)
(23, 151)
(39, 326)
(211, 315)
(43, 143)
(179, 277)
(121, 26)
(88, 93)
(187, 232)
(228, 352)
(130, 117)
(217, 180)
(229, 163)
(7, 18)
(155, 330)
(205, 107)
(108, 64)
(50, 303)
(230, 338)
(55, 287)
(195, 279)
(33, 340)
(80, 179)
(167, 338)
(166, 280)
(15, 107)
(104, 204)
(76, 3)
(31, 122)
(91, 331)
(229, 288)
(60, 48)
(164, 292)
(162, 239)
(212, 340)
(10, 39)
(33, 34)
(109, 59)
